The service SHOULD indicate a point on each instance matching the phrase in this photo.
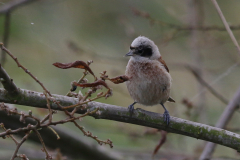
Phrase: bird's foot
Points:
(131, 109)
(166, 117)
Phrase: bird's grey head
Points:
(142, 47)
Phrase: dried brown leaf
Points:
(119, 79)
(94, 84)
(161, 142)
(76, 64)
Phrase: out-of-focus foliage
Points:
(46, 31)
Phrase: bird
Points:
(149, 79)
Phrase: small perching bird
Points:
(149, 79)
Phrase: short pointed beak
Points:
(129, 53)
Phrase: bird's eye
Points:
(140, 51)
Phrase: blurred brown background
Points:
(44, 32)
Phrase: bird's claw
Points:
(131, 109)
(166, 117)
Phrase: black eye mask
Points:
(144, 51)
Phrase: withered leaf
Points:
(119, 79)
(76, 64)
(161, 142)
(94, 84)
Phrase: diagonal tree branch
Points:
(193, 70)
(7, 82)
(226, 25)
(139, 117)
(204, 83)
(222, 122)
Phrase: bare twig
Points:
(79, 81)
(222, 122)
(89, 134)
(58, 137)
(19, 145)
(83, 100)
(25, 69)
(50, 112)
(7, 82)
(226, 24)
(11, 136)
(77, 143)
(40, 125)
(193, 69)
(87, 101)
(22, 156)
(43, 144)
(85, 73)
(210, 88)
(15, 112)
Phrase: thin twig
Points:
(40, 125)
(7, 82)
(222, 122)
(31, 127)
(22, 115)
(45, 119)
(85, 102)
(11, 136)
(89, 134)
(66, 136)
(82, 100)
(79, 81)
(226, 25)
(48, 157)
(25, 69)
(73, 118)
(204, 83)
(49, 108)
(210, 88)
(58, 137)
(19, 145)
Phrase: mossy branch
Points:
(139, 117)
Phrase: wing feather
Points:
(164, 63)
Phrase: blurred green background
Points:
(44, 32)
